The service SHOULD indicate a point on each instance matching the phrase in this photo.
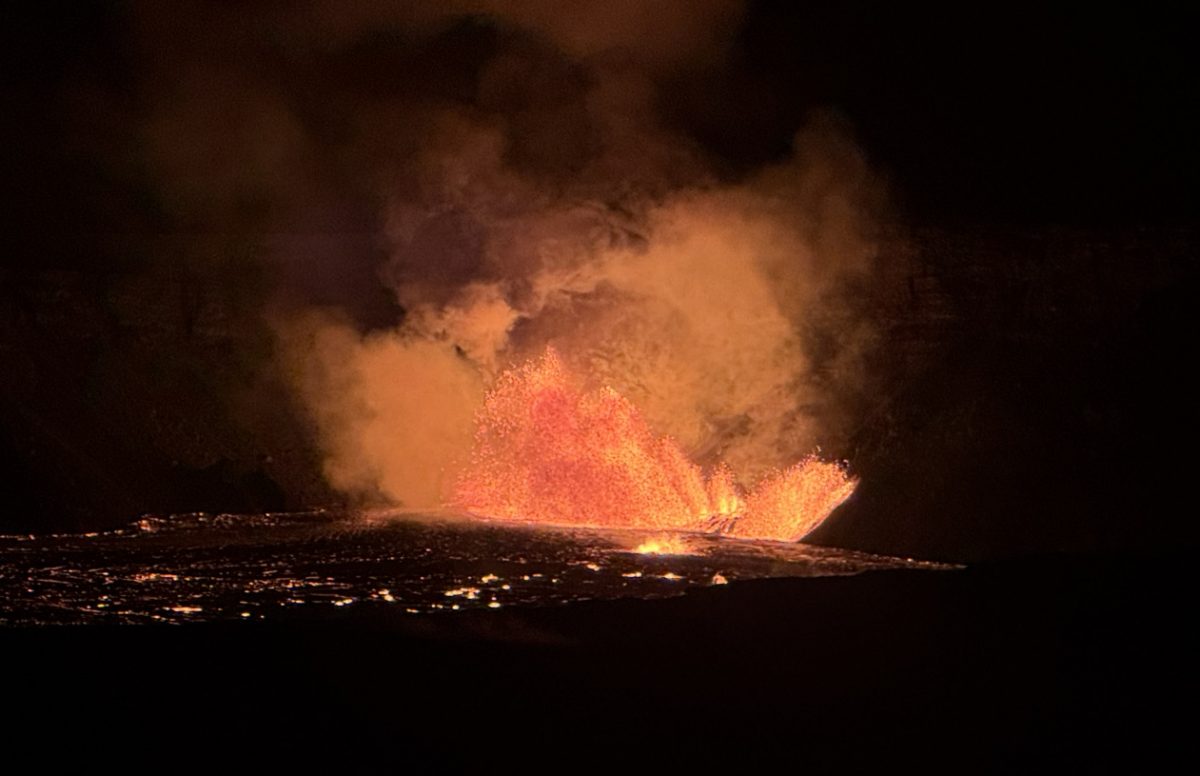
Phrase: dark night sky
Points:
(996, 111)
(990, 113)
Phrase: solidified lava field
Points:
(200, 568)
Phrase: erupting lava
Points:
(547, 451)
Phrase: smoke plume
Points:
(505, 172)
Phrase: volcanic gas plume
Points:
(602, 324)
(688, 341)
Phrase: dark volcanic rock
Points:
(1043, 664)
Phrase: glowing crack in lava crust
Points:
(548, 451)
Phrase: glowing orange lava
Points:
(662, 545)
(547, 451)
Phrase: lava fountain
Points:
(549, 451)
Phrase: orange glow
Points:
(662, 545)
(788, 505)
(548, 451)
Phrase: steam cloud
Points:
(523, 191)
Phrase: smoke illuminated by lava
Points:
(707, 323)
(696, 310)
(547, 451)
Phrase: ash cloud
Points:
(503, 172)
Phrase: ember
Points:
(549, 451)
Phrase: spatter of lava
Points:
(547, 451)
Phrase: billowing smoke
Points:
(515, 186)
(394, 411)
(693, 301)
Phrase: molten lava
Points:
(662, 545)
(548, 451)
